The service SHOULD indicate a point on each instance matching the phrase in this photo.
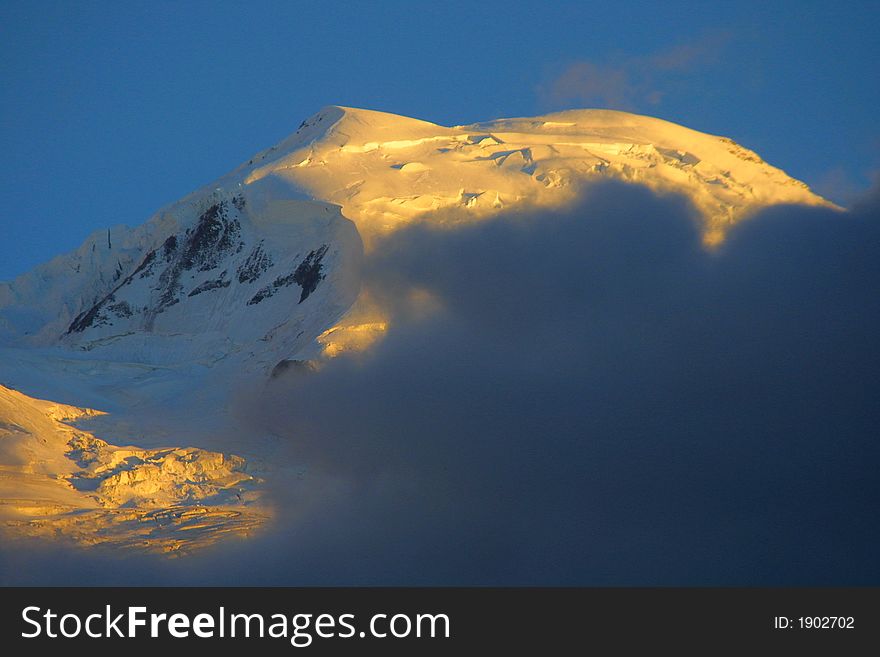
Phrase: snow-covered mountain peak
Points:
(386, 171)
(159, 324)
(262, 261)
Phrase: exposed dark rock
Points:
(307, 275)
(214, 235)
(261, 294)
(121, 309)
(91, 317)
(144, 269)
(84, 320)
(255, 265)
(203, 247)
(209, 285)
(168, 288)
(169, 248)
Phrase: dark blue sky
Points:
(109, 111)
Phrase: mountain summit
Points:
(263, 260)
(384, 170)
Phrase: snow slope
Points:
(57, 480)
(218, 273)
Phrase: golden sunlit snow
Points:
(60, 482)
(386, 171)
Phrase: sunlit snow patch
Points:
(60, 482)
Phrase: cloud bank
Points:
(582, 397)
(632, 82)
